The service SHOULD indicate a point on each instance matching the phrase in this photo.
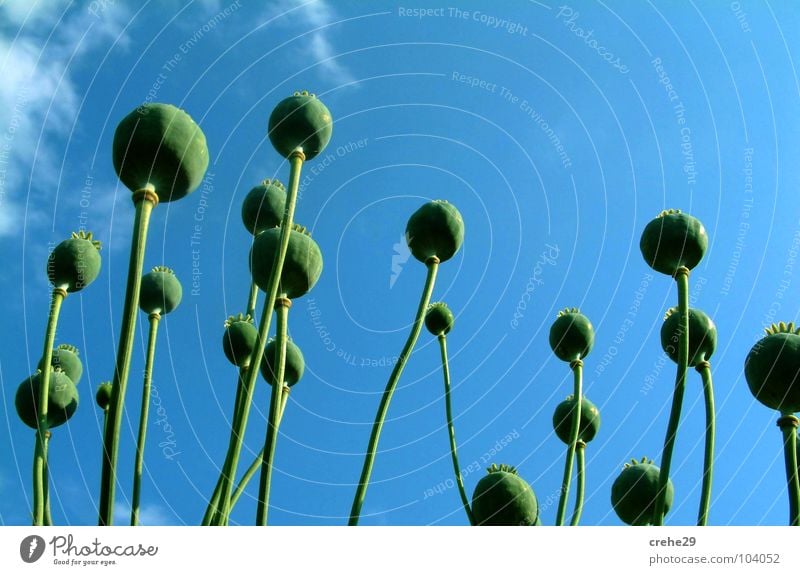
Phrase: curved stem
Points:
(682, 279)
(451, 429)
(788, 424)
(577, 371)
(48, 519)
(252, 299)
(40, 449)
(433, 266)
(256, 464)
(708, 457)
(268, 456)
(145, 201)
(148, 380)
(581, 485)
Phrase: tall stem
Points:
(581, 485)
(48, 518)
(452, 430)
(682, 279)
(252, 299)
(577, 371)
(788, 424)
(358, 501)
(704, 368)
(40, 449)
(256, 464)
(148, 380)
(282, 306)
(144, 200)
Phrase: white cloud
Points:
(150, 514)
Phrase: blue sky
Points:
(558, 130)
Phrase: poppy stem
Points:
(282, 306)
(40, 478)
(788, 424)
(682, 279)
(143, 417)
(577, 371)
(704, 368)
(358, 501)
(252, 299)
(452, 430)
(580, 487)
(145, 201)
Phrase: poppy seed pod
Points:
(702, 336)
(62, 399)
(772, 369)
(74, 263)
(293, 368)
(239, 339)
(571, 335)
(634, 492)
(263, 206)
(161, 292)
(300, 122)
(562, 420)
(159, 146)
(503, 498)
(673, 240)
(301, 268)
(103, 395)
(435, 229)
(67, 358)
(439, 319)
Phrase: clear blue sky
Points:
(559, 131)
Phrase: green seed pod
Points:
(571, 335)
(239, 339)
(634, 492)
(159, 146)
(439, 319)
(103, 395)
(300, 121)
(672, 240)
(263, 206)
(436, 229)
(293, 369)
(301, 269)
(503, 498)
(62, 399)
(74, 263)
(161, 292)
(562, 420)
(772, 369)
(67, 358)
(702, 336)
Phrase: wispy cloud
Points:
(150, 514)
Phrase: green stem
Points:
(256, 464)
(452, 430)
(148, 380)
(358, 501)
(252, 299)
(682, 279)
(281, 338)
(296, 164)
(581, 486)
(788, 424)
(40, 449)
(577, 371)
(145, 201)
(48, 519)
(708, 457)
